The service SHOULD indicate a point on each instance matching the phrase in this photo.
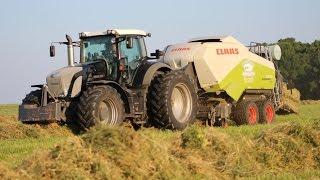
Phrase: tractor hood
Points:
(60, 81)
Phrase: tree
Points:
(300, 64)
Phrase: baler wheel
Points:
(246, 112)
(266, 111)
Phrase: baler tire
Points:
(246, 112)
(33, 98)
(163, 91)
(266, 111)
(95, 102)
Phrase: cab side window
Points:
(132, 55)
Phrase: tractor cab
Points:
(121, 50)
(115, 54)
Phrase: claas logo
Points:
(180, 49)
(227, 51)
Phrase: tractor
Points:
(108, 85)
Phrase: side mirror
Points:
(129, 42)
(52, 51)
(157, 54)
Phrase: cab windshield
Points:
(115, 52)
(99, 48)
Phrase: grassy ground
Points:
(13, 151)
(308, 113)
(18, 140)
(9, 110)
(287, 149)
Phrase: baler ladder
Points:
(276, 94)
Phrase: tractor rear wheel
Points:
(100, 105)
(33, 98)
(266, 112)
(246, 112)
(172, 100)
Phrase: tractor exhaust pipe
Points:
(70, 51)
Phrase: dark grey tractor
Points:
(114, 81)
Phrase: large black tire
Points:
(266, 111)
(33, 98)
(100, 105)
(246, 112)
(172, 100)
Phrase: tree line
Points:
(300, 66)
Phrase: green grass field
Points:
(287, 149)
(9, 110)
(18, 140)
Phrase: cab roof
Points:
(118, 32)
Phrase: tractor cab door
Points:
(132, 56)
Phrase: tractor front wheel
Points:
(100, 105)
(33, 98)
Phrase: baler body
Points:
(223, 64)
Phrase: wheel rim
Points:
(252, 115)
(108, 112)
(181, 102)
(269, 113)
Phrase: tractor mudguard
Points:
(126, 94)
(146, 71)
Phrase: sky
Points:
(28, 27)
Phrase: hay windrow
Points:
(122, 153)
(11, 128)
(7, 173)
(304, 102)
(289, 146)
(285, 149)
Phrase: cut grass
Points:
(18, 140)
(195, 153)
(287, 149)
(308, 174)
